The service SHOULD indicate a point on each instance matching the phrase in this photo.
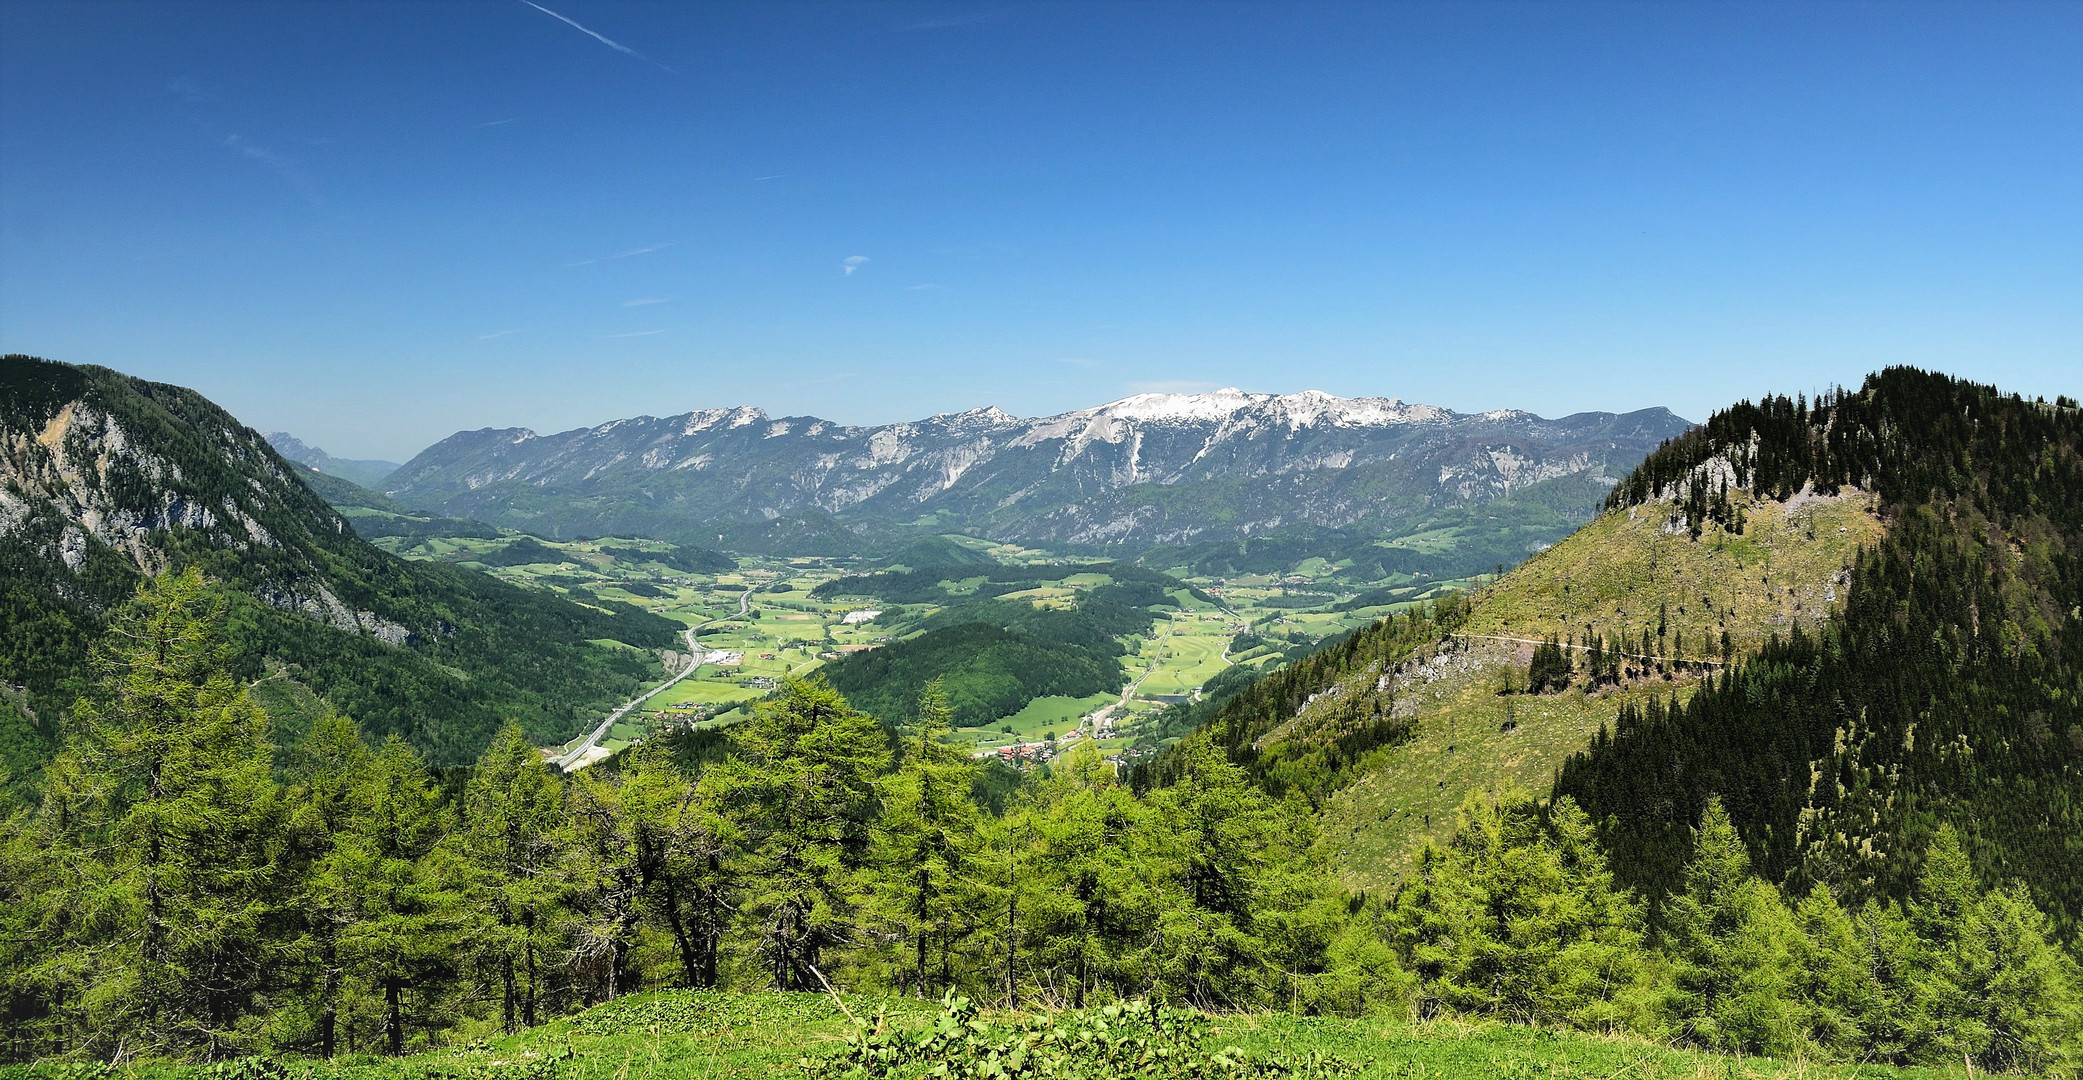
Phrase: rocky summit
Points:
(1150, 469)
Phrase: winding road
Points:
(586, 752)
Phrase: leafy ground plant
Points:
(1118, 1041)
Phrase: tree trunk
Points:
(506, 974)
(922, 962)
(1012, 948)
(528, 1000)
(329, 1019)
(393, 1017)
(690, 966)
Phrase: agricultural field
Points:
(713, 1035)
(760, 620)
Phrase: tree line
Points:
(184, 889)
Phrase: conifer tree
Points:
(1094, 906)
(1518, 917)
(389, 922)
(600, 883)
(1998, 990)
(164, 824)
(686, 859)
(1832, 975)
(1729, 936)
(927, 841)
(507, 845)
(1227, 853)
(805, 795)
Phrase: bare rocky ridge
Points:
(1148, 469)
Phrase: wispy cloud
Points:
(1170, 386)
(632, 252)
(498, 334)
(927, 287)
(853, 263)
(279, 164)
(949, 22)
(496, 123)
(189, 91)
(602, 38)
(776, 176)
(643, 301)
(637, 333)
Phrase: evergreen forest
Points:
(1855, 846)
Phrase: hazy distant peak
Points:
(311, 457)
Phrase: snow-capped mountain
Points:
(1153, 468)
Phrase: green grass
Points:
(1054, 713)
(1373, 830)
(1619, 571)
(1614, 574)
(707, 1035)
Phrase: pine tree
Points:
(391, 923)
(1218, 839)
(1832, 975)
(506, 843)
(1518, 918)
(1092, 908)
(600, 882)
(2001, 992)
(686, 859)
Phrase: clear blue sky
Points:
(373, 224)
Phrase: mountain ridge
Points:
(1130, 473)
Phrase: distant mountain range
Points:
(365, 473)
(1154, 469)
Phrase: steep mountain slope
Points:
(1628, 573)
(360, 472)
(373, 514)
(1168, 469)
(1950, 689)
(104, 478)
(1388, 731)
(1896, 574)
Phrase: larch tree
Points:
(163, 810)
(805, 794)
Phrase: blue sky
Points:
(374, 224)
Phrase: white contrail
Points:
(602, 38)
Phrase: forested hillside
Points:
(1949, 691)
(999, 636)
(178, 894)
(108, 479)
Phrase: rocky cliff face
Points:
(1149, 469)
(99, 468)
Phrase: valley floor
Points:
(713, 1035)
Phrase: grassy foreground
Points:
(684, 1035)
